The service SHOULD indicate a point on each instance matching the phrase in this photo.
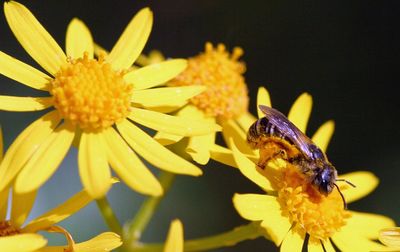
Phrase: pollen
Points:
(90, 94)
(314, 213)
(7, 229)
(226, 96)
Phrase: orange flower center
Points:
(226, 95)
(90, 94)
(318, 215)
(7, 229)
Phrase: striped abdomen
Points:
(263, 128)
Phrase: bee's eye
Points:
(324, 187)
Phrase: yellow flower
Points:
(390, 237)
(225, 100)
(293, 209)
(15, 236)
(174, 241)
(95, 101)
(226, 94)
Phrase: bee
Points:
(277, 137)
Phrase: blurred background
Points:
(344, 53)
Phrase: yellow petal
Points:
(98, 49)
(15, 103)
(103, 242)
(345, 241)
(256, 207)
(21, 206)
(263, 98)
(171, 124)
(188, 112)
(364, 181)
(328, 246)
(174, 242)
(245, 121)
(154, 152)
(153, 57)
(167, 139)
(366, 224)
(363, 228)
(222, 155)
(132, 41)
(129, 167)
(93, 167)
(4, 203)
(23, 73)
(59, 213)
(164, 109)
(199, 147)
(390, 237)
(25, 145)
(44, 162)
(22, 243)
(323, 135)
(231, 130)
(165, 96)
(300, 111)
(293, 242)
(249, 169)
(155, 74)
(78, 39)
(33, 37)
(317, 246)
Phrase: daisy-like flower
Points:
(15, 236)
(174, 242)
(293, 209)
(225, 100)
(94, 102)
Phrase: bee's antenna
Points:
(341, 195)
(348, 182)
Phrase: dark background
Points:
(344, 53)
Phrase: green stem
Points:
(108, 215)
(134, 229)
(230, 238)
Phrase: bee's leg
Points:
(259, 166)
(269, 152)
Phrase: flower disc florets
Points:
(318, 215)
(226, 96)
(90, 94)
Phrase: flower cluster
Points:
(103, 103)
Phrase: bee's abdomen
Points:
(263, 128)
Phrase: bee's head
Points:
(325, 179)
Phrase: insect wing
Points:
(289, 130)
